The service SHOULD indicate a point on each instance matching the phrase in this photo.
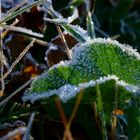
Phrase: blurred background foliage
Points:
(120, 18)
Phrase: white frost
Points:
(68, 91)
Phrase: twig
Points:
(22, 30)
(66, 48)
(1, 60)
(27, 133)
(7, 30)
(67, 134)
(2, 57)
(19, 58)
(15, 92)
(61, 111)
(75, 108)
(40, 42)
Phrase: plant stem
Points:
(14, 93)
(66, 49)
(1, 60)
(101, 112)
(67, 133)
(19, 58)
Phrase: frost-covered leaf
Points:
(90, 26)
(77, 32)
(67, 92)
(99, 57)
(60, 20)
(90, 66)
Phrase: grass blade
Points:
(90, 26)
(77, 32)
(27, 133)
(101, 112)
(20, 11)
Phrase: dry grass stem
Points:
(61, 111)
(67, 133)
(6, 31)
(66, 48)
(2, 86)
(19, 58)
(2, 103)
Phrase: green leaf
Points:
(74, 30)
(67, 92)
(90, 61)
(90, 26)
(77, 32)
(90, 66)
(107, 85)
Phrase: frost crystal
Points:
(77, 32)
(91, 62)
(67, 92)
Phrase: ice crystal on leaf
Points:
(77, 32)
(68, 91)
(90, 61)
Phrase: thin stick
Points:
(75, 108)
(67, 134)
(19, 58)
(61, 111)
(2, 57)
(1, 60)
(7, 30)
(66, 48)
(15, 92)
(40, 42)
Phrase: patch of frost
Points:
(68, 91)
(124, 47)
